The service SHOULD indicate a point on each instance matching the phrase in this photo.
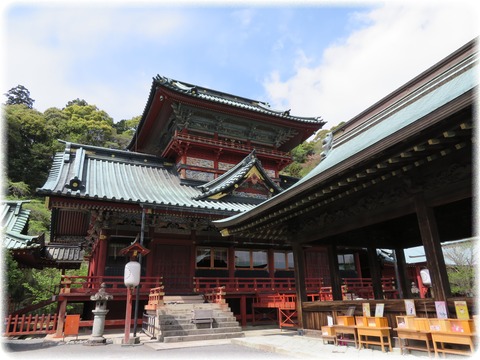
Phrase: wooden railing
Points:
(155, 298)
(30, 325)
(216, 296)
(114, 284)
(363, 288)
(205, 284)
(279, 301)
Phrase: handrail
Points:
(82, 284)
(204, 284)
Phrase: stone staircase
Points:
(174, 320)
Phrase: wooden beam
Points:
(433, 249)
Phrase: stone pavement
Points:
(269, 339)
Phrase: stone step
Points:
(183, 299)
(203, 337)
(190, 326)
(188, 314)
(206, 331)
(186, 322)
(183, 306)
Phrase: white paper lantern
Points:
(132, 274)
(425, 275)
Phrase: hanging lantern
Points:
(132, 274)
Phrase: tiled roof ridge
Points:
(234, 100)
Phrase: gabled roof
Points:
(224, 184)
(123, 177)
(14, 225)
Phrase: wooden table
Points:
(379, 332)
(412, 334)
(346, 330)
(452, 338)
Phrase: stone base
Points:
(133, 340)
(96, 340)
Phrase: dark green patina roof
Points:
(14, 225)
(117, 176)
(344, 151)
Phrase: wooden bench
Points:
(202, 316)
(365, 332)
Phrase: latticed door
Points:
(173, 262)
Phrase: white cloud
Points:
(392, 44)
(57, 53)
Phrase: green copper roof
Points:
(89, 172)
(14, 225)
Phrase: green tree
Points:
(44, 283)
(19, 95)
(125, 129)
(87, 124)
(28, 145)
(461, 258)
(15, 279)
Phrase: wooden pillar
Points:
(375, 273)
(271, 263)
(231, 262)
(335, 280)
(102, 253)
(433, 249)
(243, 310)
(300, 288)
(128, 316)
(403, 284)
(62, 311)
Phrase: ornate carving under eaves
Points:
(181, 223)
(182, 116)
(99, 219)
(283, 135)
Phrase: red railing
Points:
(155, 298)
(114, 284)
(30, 325)
(363, 288)
(204, 284)
(279, 301)
(216, 296)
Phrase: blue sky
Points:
(327, 59)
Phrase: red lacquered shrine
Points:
(198, 155)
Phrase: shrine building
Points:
(200, 186)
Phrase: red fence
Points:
(114, 284)
(30, 325)
(204, 284)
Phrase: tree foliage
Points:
(32, 136)
(462, 261)
(19, 95)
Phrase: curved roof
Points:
(117, 176)
(14, 225)
(228, 99)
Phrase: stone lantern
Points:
(100, 311)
